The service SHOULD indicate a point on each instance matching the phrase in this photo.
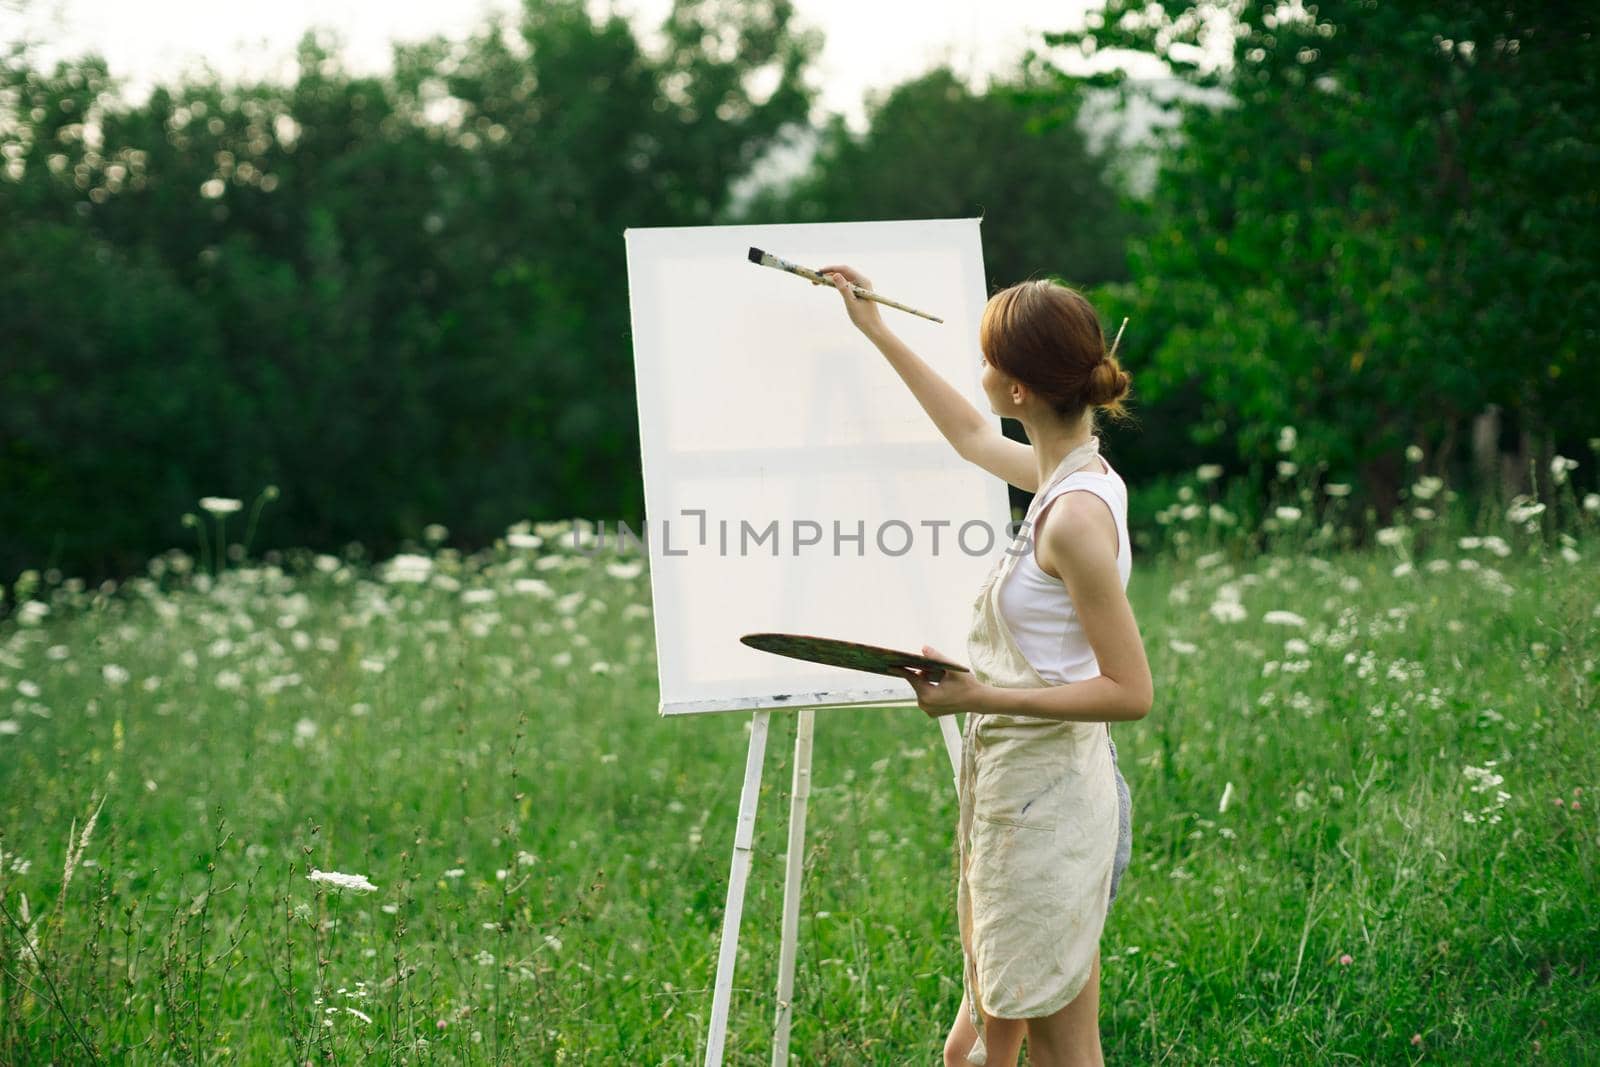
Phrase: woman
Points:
(1056, 657)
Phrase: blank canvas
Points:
(760, 404)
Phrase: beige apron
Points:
(1039, 827)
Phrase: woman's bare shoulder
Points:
(1082, 532)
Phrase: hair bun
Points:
(1108, 383)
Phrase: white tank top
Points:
(1037, 607)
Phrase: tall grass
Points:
(1364, 824)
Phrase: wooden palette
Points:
(853, 655)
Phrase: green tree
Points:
(1385, 225)
(401, 298)
(936, 149)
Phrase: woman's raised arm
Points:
(974, 437)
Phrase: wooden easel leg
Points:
(798, 796)
(952, 746)
(740, 869)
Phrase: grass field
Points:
(1364, 831)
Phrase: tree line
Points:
(401, 298)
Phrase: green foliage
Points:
(935, 149)
(401, 298)
(1384, 225)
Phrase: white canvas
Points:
(760, 402)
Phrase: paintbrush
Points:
(767, 259)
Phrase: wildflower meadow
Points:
(318, 808)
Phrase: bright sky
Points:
(868, 44)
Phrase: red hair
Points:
(1047, 336)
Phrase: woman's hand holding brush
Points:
(864, 313)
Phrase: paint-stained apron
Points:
(1044, 833)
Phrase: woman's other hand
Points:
(864, 313)
(941, 692)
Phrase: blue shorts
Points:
(1124, 825)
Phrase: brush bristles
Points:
(756, 255)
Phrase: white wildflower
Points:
(342, 881)
(407, 567)
(625, 571)
(1559, 466)
(1427, 487)
(477, 596)
(1287, 513)
(1413, 453)
(1208, 472)
(1523, 510)
(1286, 439)
(1228, 611)
(1336, 489)
(1591, 502)
(114, 674)
(1182, 648)
(1391, 536)
(220, 505)
(1287, 468)
(535, 586)
(1227, 795)
(1283, 618)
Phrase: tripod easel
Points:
(744, 831)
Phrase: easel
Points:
(744, 831)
